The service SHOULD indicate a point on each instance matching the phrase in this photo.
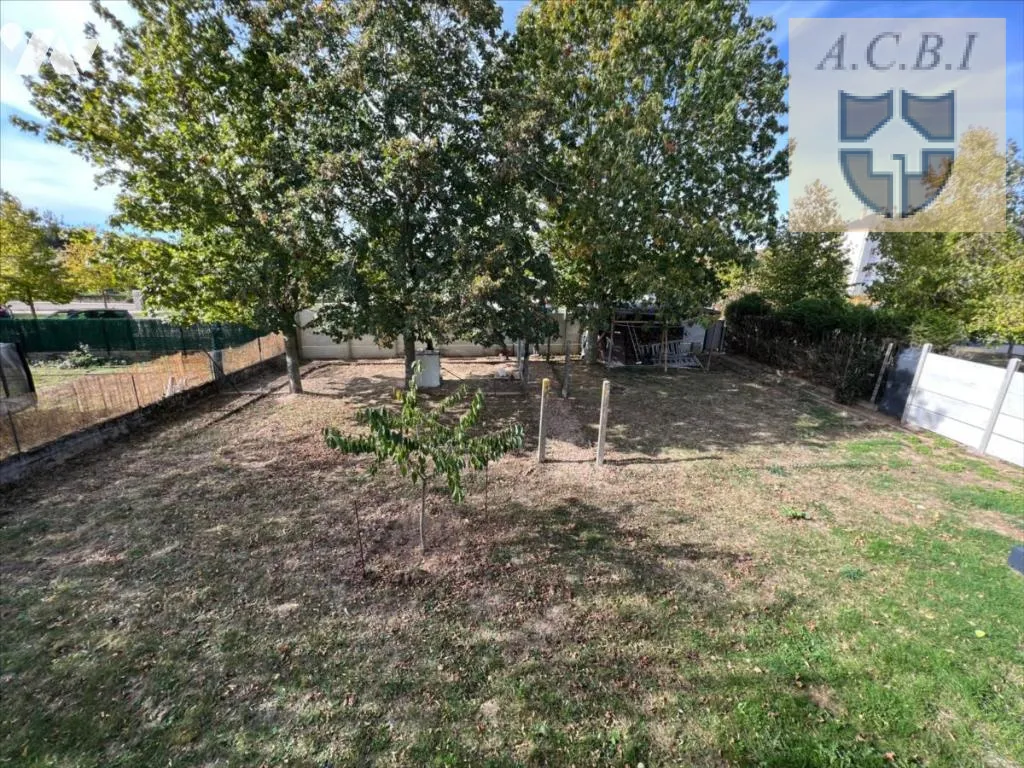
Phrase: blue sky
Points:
(52, 178)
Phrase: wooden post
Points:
(542, 436)
(881, 373)
(259, 348)
(568, 360)
(602, 428)
(917, 378)
(664, 349)
(1011, 369)
(14, 432)
(135, 389)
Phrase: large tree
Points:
(89, 263)
(201, 114)
(957, 282)
(438, 229)
(660, 122)
(807, 257)
(31, 269)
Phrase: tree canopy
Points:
(807, 257)
(438, 235)
(31, 269)
(959, 283)
(90, 264)
(415, 172)
(658, 125)
(200, 113)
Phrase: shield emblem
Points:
(932, 117)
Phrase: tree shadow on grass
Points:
(704, 412)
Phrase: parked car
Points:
(6, 313)
(94, 314)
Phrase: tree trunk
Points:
(409, 341)
(591, 351)
(291, 358)
(568, 358)
(423, 509)
(32, 306)
(104, 298)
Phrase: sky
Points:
(50, 177)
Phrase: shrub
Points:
(938, 329)
(839, 344)
(815, 316)
(423, 443)
(855, 360)
(750, 304)
(82, 357)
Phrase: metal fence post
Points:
(542, 436)
(917, 378)
(602, 428)
(1011, 368)
(881, 373)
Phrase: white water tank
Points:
(430, 369)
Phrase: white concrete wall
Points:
(317, 346)
(1007, 441)
(956, 398)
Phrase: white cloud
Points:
(49, 177)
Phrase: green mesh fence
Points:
(119, 335)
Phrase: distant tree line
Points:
(43, 260)
(415, 172)
(940, 287)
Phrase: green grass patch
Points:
(874, 446)
(980, 468)
(851, 573)
(818, 418)
(990, 499)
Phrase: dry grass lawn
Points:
(757, 577)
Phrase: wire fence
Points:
(69, 401)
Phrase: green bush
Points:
(835, 343)
(815, 315)
(81, 358)
(938, 329)
(749, 304)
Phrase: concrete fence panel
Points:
(318, 346)
(978, 405)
